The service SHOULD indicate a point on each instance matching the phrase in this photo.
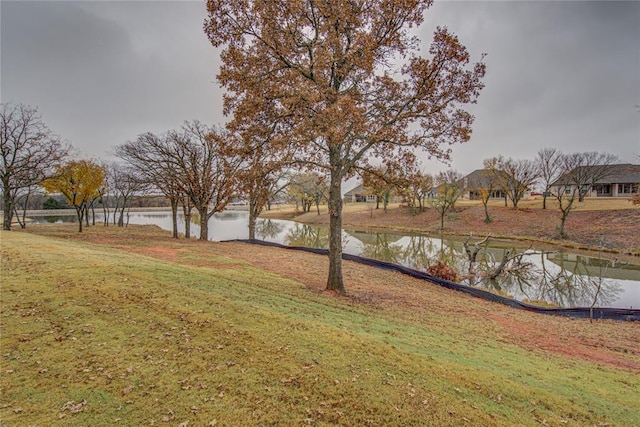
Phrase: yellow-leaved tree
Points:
(80, 182)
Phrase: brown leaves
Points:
(72, 408)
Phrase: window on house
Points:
(602, 188)
(627, 188)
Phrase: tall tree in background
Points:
(549, 164)
(207, 163)
(154, 157)
(80, 182)
(334, 68)
(29, 153)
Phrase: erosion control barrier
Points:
(578, 312)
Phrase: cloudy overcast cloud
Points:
(560, 74)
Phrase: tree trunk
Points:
(204, 223)
(121, 217)
(105, 213)
(487, 218)
(186, 210)
(174, 217)
(17, 214)
(544, 201)
(8, 207)
(442, 213)
(80, 214)
(252, 219)
(335, 281)
(563, 220)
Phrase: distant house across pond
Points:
(621, 180)
(359, 194)
(478, 181)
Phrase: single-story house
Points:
(359, 194)
(362, 194)
(619, 181)
(473, 184)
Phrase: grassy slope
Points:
(146, 341)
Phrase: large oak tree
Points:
(349, 76)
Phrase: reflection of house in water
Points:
(372, 237)
(594, 266)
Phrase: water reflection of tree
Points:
(305, 235)
(421, 252)
(510, 271)
(268, 229)
(383, 248)
(572, 285)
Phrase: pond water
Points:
(555, 277)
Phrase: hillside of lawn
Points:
(125, 326)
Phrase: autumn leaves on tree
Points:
(344, 85)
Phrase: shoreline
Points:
(355, 220)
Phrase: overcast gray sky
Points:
(562, 74)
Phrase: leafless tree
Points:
(549, 164)
(514, 177)
(124, 182)
(580, 171)
(207, 164)
(155, 158)
(29, 153)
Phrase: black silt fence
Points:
(578, 312)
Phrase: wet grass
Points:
(92, 335)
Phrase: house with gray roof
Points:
(621, 180)
(478, 181)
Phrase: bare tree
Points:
(513, 177)
(29, 154)
(207, 164)
(448, 192)
(584, 170)
(154, 157)
(580, 172)
(124, 182)
(549, 164)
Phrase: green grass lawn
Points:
(95, 336)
